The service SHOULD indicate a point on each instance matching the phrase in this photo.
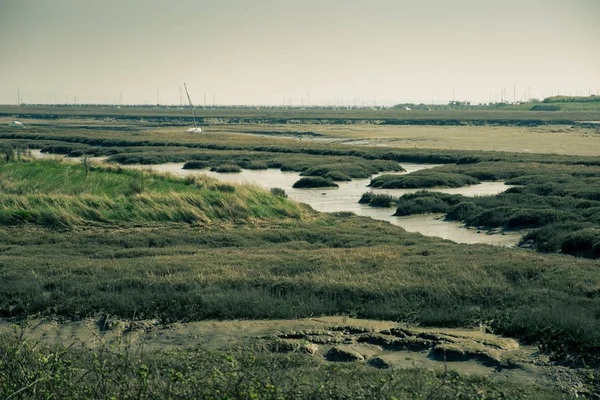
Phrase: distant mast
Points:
(195, 129)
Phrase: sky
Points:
(300, 52)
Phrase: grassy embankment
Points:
(286, 266)
(59, 195)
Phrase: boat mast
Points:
(191, 105)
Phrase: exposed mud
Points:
(378, 344)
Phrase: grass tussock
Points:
(420, 179)
(378, 200)
(314, 182)
(227, 168)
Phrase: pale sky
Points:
(318, 51)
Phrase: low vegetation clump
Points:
(257, 165)
(378, 200)
(584, 242)
(342, 168)
(542, 107)
(227, 168)
(555, 212)
(195, 165)
(278, 192)
(422, 203)
(314, 182)
(422, 180)
(337, 176)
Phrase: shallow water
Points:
(49, 156)
(345, 198)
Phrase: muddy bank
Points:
(377, 344)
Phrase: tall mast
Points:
(191, 105)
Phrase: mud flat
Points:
(377, 344)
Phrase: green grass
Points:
(54, 194)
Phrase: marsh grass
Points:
(314, 182)
(422, 179)
(227, 168)
(322, 266)
(61, 195)
(378, 200)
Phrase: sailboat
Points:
(196, 128)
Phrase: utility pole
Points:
(19, 96)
